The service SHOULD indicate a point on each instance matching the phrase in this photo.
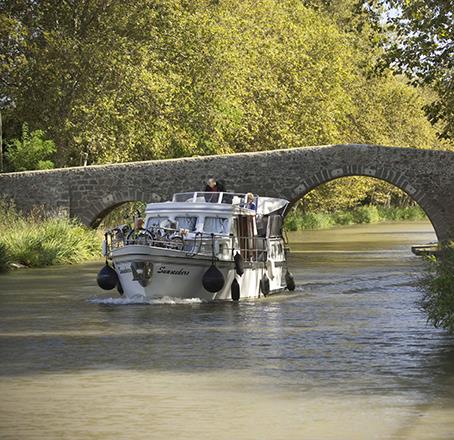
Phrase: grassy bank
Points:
(35, 241)
(438, 287)
(297, 221)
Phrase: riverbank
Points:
(35, 241)
(297, 221)
(438, 287)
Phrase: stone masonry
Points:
(89, 193)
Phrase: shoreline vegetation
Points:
(438, 288)
(298, 220)
(37, 241)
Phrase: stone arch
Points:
(398, 179)
(88, 192)
(96, 211)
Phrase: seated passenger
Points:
(138, 229)
(138, 224)
(250, 202)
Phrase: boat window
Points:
(188, 223)
(216, 225)
(210, 197)
(183, 197)
(156, 222)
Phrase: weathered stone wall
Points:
(89, 193)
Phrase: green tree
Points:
(31, 152)
(421, 44)
(148, 79)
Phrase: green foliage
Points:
(438, 286)
(396, 213)
(52, 241)
(366, 214)
(296, 220)
(30, 152)
(316, 220)
(34, 241)
(349, 192)
(292, 221)
(4, 258)
(420, 44)
(148, 79)
(125, 213)
(343, 218)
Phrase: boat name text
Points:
(163, 269)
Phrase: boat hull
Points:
(147, 272)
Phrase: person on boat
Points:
(213, 185)
(138, 229)
(250, 202)
(138, 224)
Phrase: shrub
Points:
(4, 260)
(316, 220)
(32, 152)
(366, 214)
(343, 218)
(293, 221)
(395, 213)
(363, 214)
(52, 241)
(438, 287)
(35, 241)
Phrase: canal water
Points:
(349, 355)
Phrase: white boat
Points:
(206, 245)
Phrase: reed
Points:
(36, 241)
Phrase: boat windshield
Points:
(186, 222)
(212, 197)
(157, 222)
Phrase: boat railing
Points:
(221, 247)
(236, 199)
(155, 236)
(224, 247)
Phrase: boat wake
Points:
(134, 301)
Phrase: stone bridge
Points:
(90, 193)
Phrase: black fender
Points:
(239, 264)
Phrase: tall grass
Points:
(35, 241)
(296, 221)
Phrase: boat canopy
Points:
(268, 205)
(265, 205)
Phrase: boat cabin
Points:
(216, 213)
(222, 215)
